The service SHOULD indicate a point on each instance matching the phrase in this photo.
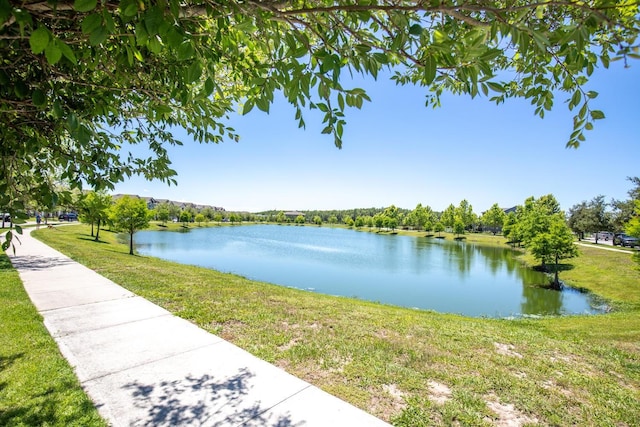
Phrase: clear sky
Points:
(398, 151)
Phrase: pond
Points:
(417, 272)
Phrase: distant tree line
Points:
(598, 215)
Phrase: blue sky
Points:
(398, 151)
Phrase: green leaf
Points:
(53, 53)
(173, 38)
(72, 121)
(208, 87)
(129, 8)
(185, 51)
(155, 45)
(57, 110)
(153, 20)
(39, 40)
(363, 48)
(248, 106)
(541, 40)
(98, 36)
(597, 115)
(430, 68)
(5, 11)
(67, 52)
(38, 97)
(341, 101)
(415, 30)
(496, 87)
(575, 99)
(381, 58)
(85, 5)
(91, 23)
(109, 23)
(194, 72)
(263, 104)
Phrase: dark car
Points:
(625, 240)
(71, 216)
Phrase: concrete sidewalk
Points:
(142, 366)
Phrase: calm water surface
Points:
(425, 273)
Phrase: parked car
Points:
(6, 217)
(605, 235)
(625, 240)
(71, 216)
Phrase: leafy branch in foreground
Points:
(80, 81)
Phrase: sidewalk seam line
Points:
(276, 404)
(49, 310)
(151, 361)
(70, 334)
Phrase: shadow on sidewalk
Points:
(202, 401)
(37, 262)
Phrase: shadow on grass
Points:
(5, 262)
(204, 400)
(5, 362)
(551, 268)
(92, 239)
(50, 407)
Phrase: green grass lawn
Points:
(37, 385)
(412, 367)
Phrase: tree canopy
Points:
(82, 79)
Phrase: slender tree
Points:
(464, 213)
(599, 218)
(94, 209)
(162, 213)
(130, 215)
(185, 218)
(448, 216)
(578, 219)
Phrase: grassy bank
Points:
(411, 367)
(37, 385)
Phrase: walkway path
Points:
(603, 247)
(142, 366)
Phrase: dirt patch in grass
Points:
(507, 350)
(439, 393)
(507, 415)
(228, 330)
(391, 402)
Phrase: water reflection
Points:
(426, 273)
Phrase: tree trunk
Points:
(98, 231)
(131, 243)
(92, 229)
(556, 280)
